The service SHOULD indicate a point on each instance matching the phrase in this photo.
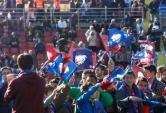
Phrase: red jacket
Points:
(27, 92)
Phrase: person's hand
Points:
(71, 81)
(111, 64)
(134, 99)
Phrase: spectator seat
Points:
(22, 33)
(22, 45)
(31, 45)
(14, 51)
(47, 34)
(48, 40)
(22, 39)
(40, 57)
(22, 50)
(5, 50)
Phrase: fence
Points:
(85, 17)
(162, 17)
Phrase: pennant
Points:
(118, 73)
(148, 45)
(154, 103)
(94, 58)
(115, 48)
(68, 73)
(52, 53)
(61, 68)
(72, 46)
(104, 39)
(139, 72)
(83, 59)
(139, 55)
(115, 37)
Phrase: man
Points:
(4, 106)
(61, 25)
(99, 71)
(155, 86)
(27, 90)
(40, 47)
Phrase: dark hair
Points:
(102, 67)
(48, 88)
(3, 68)
(25, 61)
(93, 77)
(55, 80)
(151, 68)
(85, 87)
(141, 79)
(87, 72)
(130, 73)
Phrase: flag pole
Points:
(44, 65)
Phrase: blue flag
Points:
(154, 103)
(118, 73)
(140, 55)
(83, 59)
(115, 37)
(70, 68)
(56, 67)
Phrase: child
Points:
(142, 84)
(129, 97)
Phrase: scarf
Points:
(135, 107)
(154, 85)
(96, 95)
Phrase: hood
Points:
(30, 78)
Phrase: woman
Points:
(91, 39)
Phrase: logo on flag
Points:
(116, 37)
(66, 69)
(80, 59)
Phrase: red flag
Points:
(72, 46)
(52, 53)
(116, 48)
(104, 39)
(65, 56)
(138, 71)
(94, 58)
(148, 45)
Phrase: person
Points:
(40, 47)
(27, 90)
(10, 77)
(86, 103)
(142, 84)
(129, 97)
(163, 76)
(156, 86)
(4, 106)
(99, 71)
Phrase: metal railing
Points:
(162, 16)
(85, 17)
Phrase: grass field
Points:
(146, 23)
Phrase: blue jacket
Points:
(85, 106)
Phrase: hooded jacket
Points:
(27, 92)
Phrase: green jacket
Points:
(123, 103)
(105, 98)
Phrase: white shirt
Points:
(62, 24)
(92, 40)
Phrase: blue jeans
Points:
(152, 16)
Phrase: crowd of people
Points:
(23, 89)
